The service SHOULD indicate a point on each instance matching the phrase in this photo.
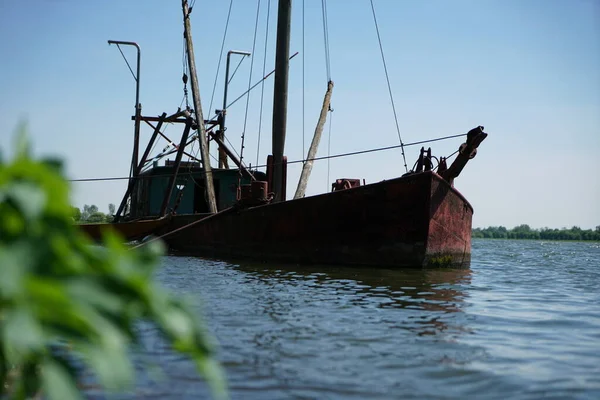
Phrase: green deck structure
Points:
(189, 189)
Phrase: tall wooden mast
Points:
(208, 179)
(280, 94)
(314, 145)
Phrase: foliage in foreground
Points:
(525, 232)
(63, 299)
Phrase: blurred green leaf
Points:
(24, 333)
(15, 262)
(28, 198)
(61, 295)
(58, 383)
(95, 295)
(111, 365)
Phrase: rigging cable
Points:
(232, 147)
(249, 85)
(353, 153)
(212, 96)
(241, 96)
(329, 147)
(190, 174)
(388, 85)
(326, 39)
(127, 62)
(235, 70)
(183, 183)
(262, 88)
(446, 158)
(184, 77)
(152, 149)
(136, 79)
(303, 85)
(165, 153)
(328, 71)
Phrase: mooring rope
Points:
(181, 228)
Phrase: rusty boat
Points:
(415, 220)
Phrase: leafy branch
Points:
(63, 298)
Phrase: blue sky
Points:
(529, 71)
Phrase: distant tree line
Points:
(525, 232)
(91, 215)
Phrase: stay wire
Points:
(156, 141)
(235, 70)
(262, 88)
(388, 84)
(195, 155)
(212, 96)
(148, 163)
(354, 153)
(329, 148)
(326, 39)
(188, 176)
(232, 147)
(127, 62)
(301, 161)
(165, 153)
(446, 158)
(241, 96)
(303, 84)
(184, 76)
(249, 84)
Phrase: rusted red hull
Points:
(413, 221)
(132, 230)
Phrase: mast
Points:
(314, 146)
(208, 179)
(280, 94)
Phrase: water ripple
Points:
(523, 322)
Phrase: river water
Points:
(522, 323)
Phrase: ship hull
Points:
(133, 230)
(414, 221)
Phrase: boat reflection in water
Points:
(426, 297)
